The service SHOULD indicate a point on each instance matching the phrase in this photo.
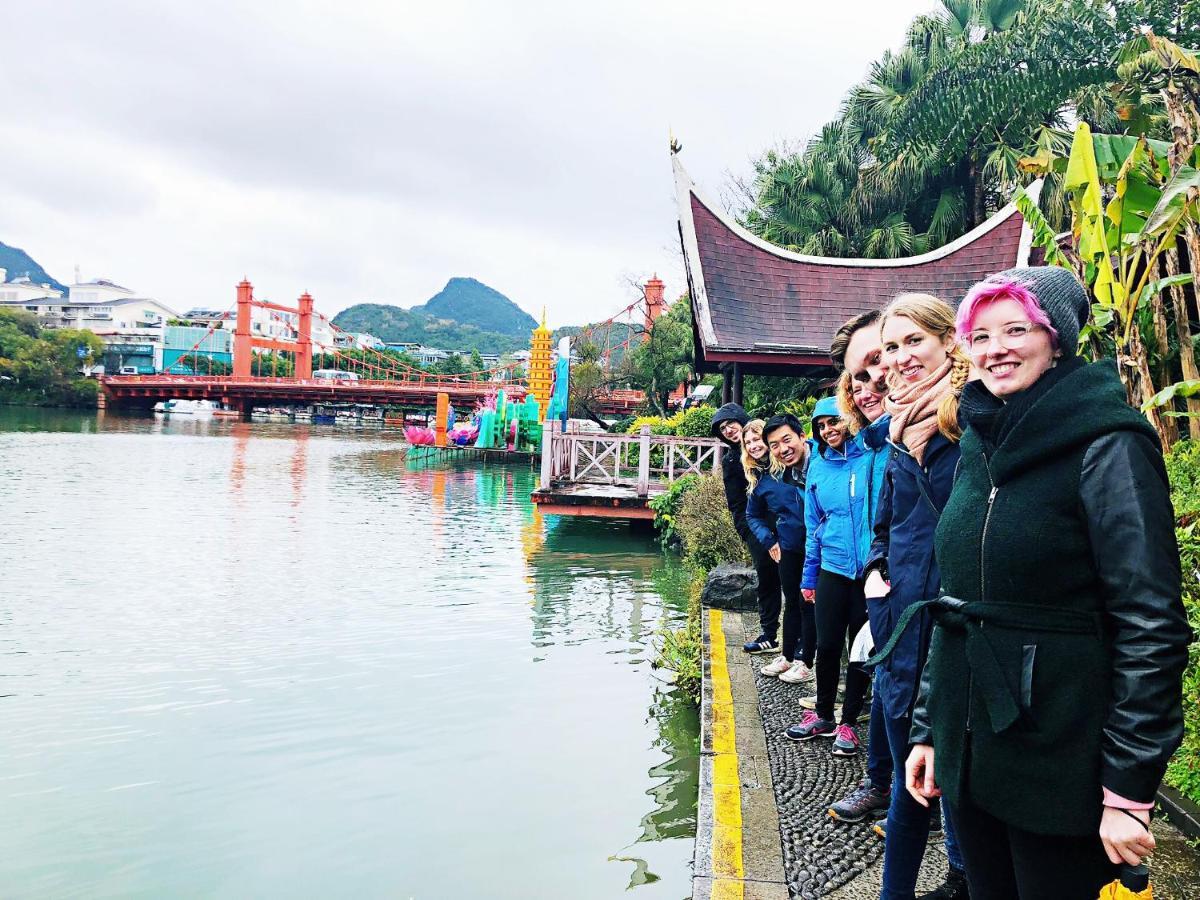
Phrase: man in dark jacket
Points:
(727, 425)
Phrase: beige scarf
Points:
(914, 410)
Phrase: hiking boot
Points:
(776, 666)
(811, 726)
(953, 888)
(798, 673)
(761, 644)
(845, 741)
(864, 801)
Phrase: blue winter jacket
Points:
(910, 505)
(775, 510)
(840, 501)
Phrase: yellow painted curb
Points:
(727, 867)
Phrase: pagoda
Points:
(541, 376)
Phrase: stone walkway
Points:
(816, 856)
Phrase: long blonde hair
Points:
(851, 414)
(937, 318)
(749, 464)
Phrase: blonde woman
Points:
(927, 370)
(755, 463)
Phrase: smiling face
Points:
(731, 431)
(911, 352)
(1008, 351)
(868, 374)
(785, 445)
(832, 431)
(754, 444)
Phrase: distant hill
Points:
(470, 302)
(393, 324)
(17, 262)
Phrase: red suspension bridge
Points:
(375, 377)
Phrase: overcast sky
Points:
(370, 151)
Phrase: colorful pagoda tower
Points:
(541, 377)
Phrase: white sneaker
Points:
(797, 673)
(776, 666)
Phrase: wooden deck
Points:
(615, 475)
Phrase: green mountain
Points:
(470, 302)
(17, 262)
(393, 325)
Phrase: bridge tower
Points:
(541, 377)
(244, 340)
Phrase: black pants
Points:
(841, 612)
(770, 600)
(799, 618)
(1007, 863)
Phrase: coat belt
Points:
(999, 695)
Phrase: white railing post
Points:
(547, 453)
(643, 482)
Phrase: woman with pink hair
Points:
(1050, 702)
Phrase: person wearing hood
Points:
(775, 513)
(727, 425)
(1051, 701)
(839, 500)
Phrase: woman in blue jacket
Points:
(839, 504)
(927, 372)
(775, 513)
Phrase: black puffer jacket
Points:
(734, 476)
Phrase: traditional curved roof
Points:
(774, 311)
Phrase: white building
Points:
(138, 317)
(430, 356)
(22, 288)
(358, 340)
(267, 323)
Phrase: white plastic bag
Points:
(864, 644)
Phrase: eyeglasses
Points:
(1010, 337)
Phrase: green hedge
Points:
(1183, 467)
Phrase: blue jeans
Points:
(879, 755)
(908, 824)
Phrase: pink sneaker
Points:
(845, 741)
(797, 673)
(775, 667)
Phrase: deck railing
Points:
(623, 459)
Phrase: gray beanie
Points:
(1061, 297)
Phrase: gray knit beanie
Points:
(1061, 297)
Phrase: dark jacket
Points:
(1062, 673)
(734, 476)
(775, 510)
(909, 507)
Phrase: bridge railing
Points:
(577, 457)
(433, 382)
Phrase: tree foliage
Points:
(41, 367)
(664, 360)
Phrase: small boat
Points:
(178, 407)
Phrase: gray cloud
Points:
(372, 150)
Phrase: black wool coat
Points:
(1062, 673)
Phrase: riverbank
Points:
(763, 829)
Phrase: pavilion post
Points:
(643, 482)
(737, 384)
(726, 386)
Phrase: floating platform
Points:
(582, 498)
(427, 453)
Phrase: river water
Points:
(280, 661)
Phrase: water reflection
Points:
(288, 661)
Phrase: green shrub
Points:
(1183, 467)
(705, 527)
(696, 422)
(681, 647)
(666, 508)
